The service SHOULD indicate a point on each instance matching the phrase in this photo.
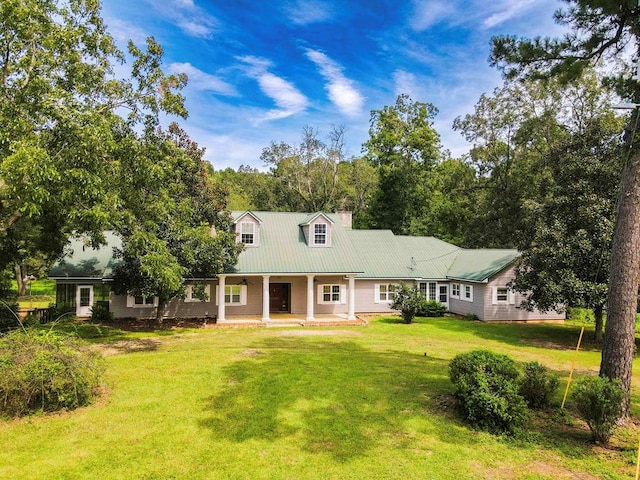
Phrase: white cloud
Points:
(308, 12)
(191, 19)
(405, 82)
(285, 95)
(507, 11)
(200, 80)
(123, 31)
(427, 13)
(340, 89)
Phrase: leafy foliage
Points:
(409, 301)
(486, 390)
(45, 371)
(432, 308)
(599, 403)
(404, 147)
(538, 385)
(600, 30)
(173, 225)
(101, 313)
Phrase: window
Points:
(140, 301)
(320, 234)
(455, 290)
(331, 294)
(422, 286)
(247, 231)
(432, 291)
(467, 293)
(386, 293)
(233, 294)
(191, 293)
(502, 294)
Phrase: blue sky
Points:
(261, 70)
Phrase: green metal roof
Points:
(385, 255)
(283, 248)
(478, 265)
(83, 261)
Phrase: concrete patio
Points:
(288, 320)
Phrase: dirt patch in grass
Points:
(149, 325)
(320, 333)
(543, 469)
(128, 346)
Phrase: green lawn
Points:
(308, 403)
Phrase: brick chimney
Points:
(345, 217)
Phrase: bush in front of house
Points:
(101, 313)
(486, 390)
(45, 371)
(538, 385)
(409, 301)
(432, 308)
(599, 403)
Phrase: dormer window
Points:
(320, 234)
(247, 232)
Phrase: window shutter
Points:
(155, 301)
(207, 291)
(243, 294)
(494, 295)
(320, 297)
(376, 298)
(188, 293)
(511, 296)
(343, 294)
(217, 295)
(129, 301)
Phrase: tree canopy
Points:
(599, 30)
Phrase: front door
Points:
(443, 294)
(84, 300)
(279, 297)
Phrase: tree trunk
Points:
(619, 338)
(159, 312)
(20, 274)
(597, 315)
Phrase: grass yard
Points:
(308, 403)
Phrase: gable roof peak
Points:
(313, 216)
(243, 214)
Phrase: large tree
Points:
(404, 147)
(309, 171)
(599, 30)
(58, 104)
(172, 222)
(565, 260)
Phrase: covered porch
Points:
(286, 298)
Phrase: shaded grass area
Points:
(343, 403)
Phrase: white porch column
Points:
(221, 285)
(352, 298)
(309, 297)
(265, 298)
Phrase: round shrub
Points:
(432, 308)
(486, 390)
(599, 403)
(538, 385)
(101, 313)
(45, 371)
